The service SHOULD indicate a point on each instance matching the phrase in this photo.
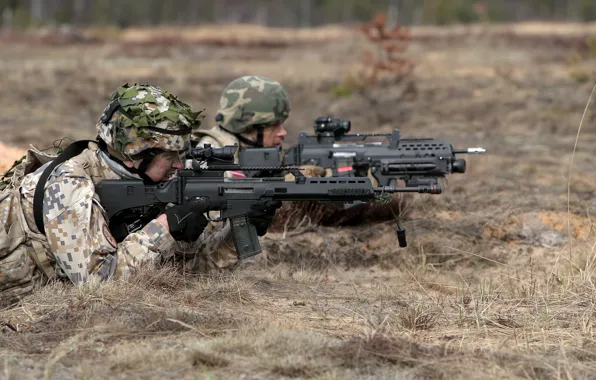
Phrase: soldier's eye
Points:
(173, 156)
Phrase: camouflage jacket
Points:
(77, 243)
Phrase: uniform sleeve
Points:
(79, 237)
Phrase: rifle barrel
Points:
(429, 189)
(469, 150)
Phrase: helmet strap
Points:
(259, 141)
(144, 165)
(260, 130)
(140, 171)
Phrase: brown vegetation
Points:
(296, 323)
(211, 35)
(389, 44)
(293, 215)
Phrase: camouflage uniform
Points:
(77, 243)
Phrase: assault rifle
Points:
(415, 161)
(130, 204)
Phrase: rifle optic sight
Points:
(329, 125)
(207, 153)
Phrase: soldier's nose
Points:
(178, 164)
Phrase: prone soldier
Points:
(52, 223)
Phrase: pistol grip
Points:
(246, 239)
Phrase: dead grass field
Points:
(497, 280)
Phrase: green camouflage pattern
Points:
(252, 100)
(147, 106)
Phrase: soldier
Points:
(144, 132)
(252, 111)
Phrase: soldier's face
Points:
(274, 135)
(164, 166)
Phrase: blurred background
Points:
(286, 13)
(512, 76)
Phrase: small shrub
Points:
(342, 91)
(580, 74)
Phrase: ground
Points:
(496, 281)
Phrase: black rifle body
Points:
(415, 161)
(233, 197)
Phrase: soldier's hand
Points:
(314, 171)
(186, 222)
(261, 215)
(308, 171)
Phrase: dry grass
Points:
(241, 35)
(527, 28)
(302, 215)
(235, 35)
(246, 35)
(282, 321)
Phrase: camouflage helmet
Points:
(252, 100)
(142, 118)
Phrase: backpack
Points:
(30, 162)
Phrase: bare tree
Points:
(7, 18)
(261, 15)
(347, 13)
(192, 11)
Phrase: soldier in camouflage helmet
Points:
(142, 122)
(252, 110)
(143, 133)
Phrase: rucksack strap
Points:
(74, 149)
